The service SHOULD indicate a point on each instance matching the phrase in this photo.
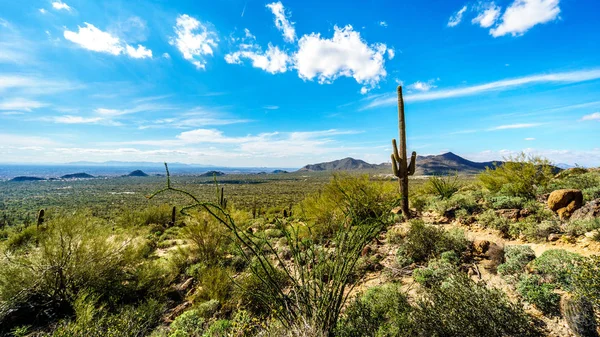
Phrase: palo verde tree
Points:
(400, 164)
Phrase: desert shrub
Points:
(505, 201)
(92, 319)
(518, 176)
(538, 211)
(591, 193)
(539, 293)
(75, 253)
(442, 187)
(160, 215)
(219, 328)
(21, 240)
(582, 226)
(579, 314)
(208, 238)
(423, 242)
(558, 265)
(533, 231)
(418, 202)
(214, 284)
(328, 208)
(249, 286)
(190, 323)
(459, 201)
(587, 280)
(490, 219)
(437, 270)
(589, 181)
(461, 307)
(208, 309)
(516, 258)
(381, 311)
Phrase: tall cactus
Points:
(400, 165)
(40, 218)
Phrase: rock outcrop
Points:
(565, 202)
(588, 211)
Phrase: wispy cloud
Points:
(456, 18)
(282, 21)
(562, 77)
(591, 117)
(515, 126)
(20, 104)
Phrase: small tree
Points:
(518, 176)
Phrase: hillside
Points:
(449, 163)
(426, 165)
(137, 173)
(25, 178)
(212, 173)
(345, 164)
(81, 175)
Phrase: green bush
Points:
(437, 271)
(77, 253)
(587, 280)
(460, 307)
(208, 309)
(190, 323)
(459, 201)
(504, 202)
(160, 215)
(516, 258)
(558, 265)
(423, 242)
(518, 176)
(580, 227)
(381, 311)
(442, 187)
(490, 219)
(208, 238)
(219, 328)
(95, 320)
(532, 230)
(539, 293)
(591, 193)
(22, 239)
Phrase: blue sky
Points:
(262, 83)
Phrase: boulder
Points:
(588, 211)
(565, 202)
(554, 237)
(480, 246)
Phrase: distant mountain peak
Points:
(345, 164)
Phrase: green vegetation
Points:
(286, 255)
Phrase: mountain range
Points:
(425, 165)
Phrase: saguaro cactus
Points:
(400, 165)
(173, 217)
(40, 218)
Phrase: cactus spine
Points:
(400, 166)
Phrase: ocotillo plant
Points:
(400, 166)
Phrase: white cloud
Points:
(383, 24)
(515, 126)
(272, 61)
(346, 54)
(139, 52)
(591, 117)
(487, 15)
(166, 55)
(194, 40)
(456, 18)
(282, 22)
(391, 53)
(564, 77)
(521, 15)
(24, 141)
(20, 104)
(68, 119)
(43, 11)
(529, 138)
(422, 86)
(59, 5)
(92, 38)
